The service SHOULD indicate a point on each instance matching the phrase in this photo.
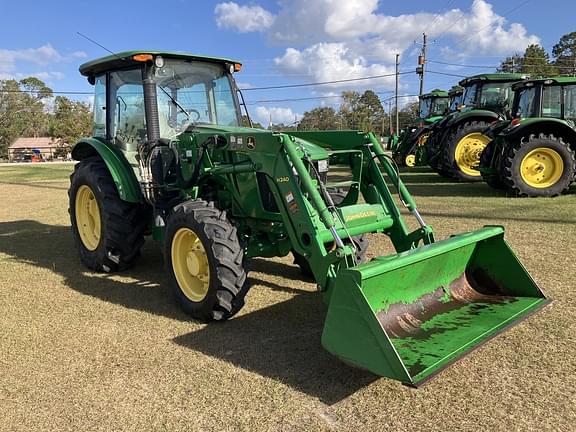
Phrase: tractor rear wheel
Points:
(492, 180)
(542, 165)
(462, 151)
(108, 232)
(204, 258)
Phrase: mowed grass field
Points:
(81, 351)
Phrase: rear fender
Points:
(536, 126)
(474, 115)
(119, 168)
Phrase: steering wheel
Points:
(195, 112)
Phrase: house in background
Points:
(36, 149)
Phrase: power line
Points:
(324, 82)
(447, 74)
(53, 92)
(463, 65)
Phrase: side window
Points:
(551, 101)
(570, 102)
(99, 119)
(128, 119)
(225, 107)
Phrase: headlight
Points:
(323, 165)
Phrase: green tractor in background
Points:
(534, 154)
(169, 158)
(455, 147)
(422, 151)
(433, 107)
(455, 97)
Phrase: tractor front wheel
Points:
(539, 166)
(108, 232)
(462, 151)
(204, 258)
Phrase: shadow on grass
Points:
(52, 247)
(38, 185)
(281, 342)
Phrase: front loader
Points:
(170, 158)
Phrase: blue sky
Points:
(281, 42)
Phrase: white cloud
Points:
(358, 24)
(243, 18)
(352, 38)
(42, 56)
(11, 60)
(42, 75)
(277, 114)
(332, 62)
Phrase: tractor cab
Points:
(491, 92)
(433, 105)
(550, 97)
(143, 97)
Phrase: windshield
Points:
(190, 93)
(496, 95)
(526, 103)
(433, 106)
(469, 98)
(455, 101)
(440, 106)
(425, 105)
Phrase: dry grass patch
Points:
(84, 351)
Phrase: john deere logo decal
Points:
(250, 143)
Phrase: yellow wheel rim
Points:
(468, 151)
(88, 217)
(542, 167)
(410, 160)
(190, 264)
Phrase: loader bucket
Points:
(410, 315)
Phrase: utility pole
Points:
(420, 70)
(396, 91)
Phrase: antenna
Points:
(101, 46)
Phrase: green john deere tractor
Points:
(534, 154)
(455, 147)
(433, 107)
(169, 158)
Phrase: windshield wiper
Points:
(175, 102)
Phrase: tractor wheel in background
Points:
(410, 160)
(462, 151)
(492, 180)
(108, 232)
(204, 259)
(538, 166)
(360, 241)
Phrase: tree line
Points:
(356, 111)
(28, 108)
(537, 62)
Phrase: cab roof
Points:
(125, 59)
(455, 90)
(557, 80)
(496, 77)
(435, 93)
